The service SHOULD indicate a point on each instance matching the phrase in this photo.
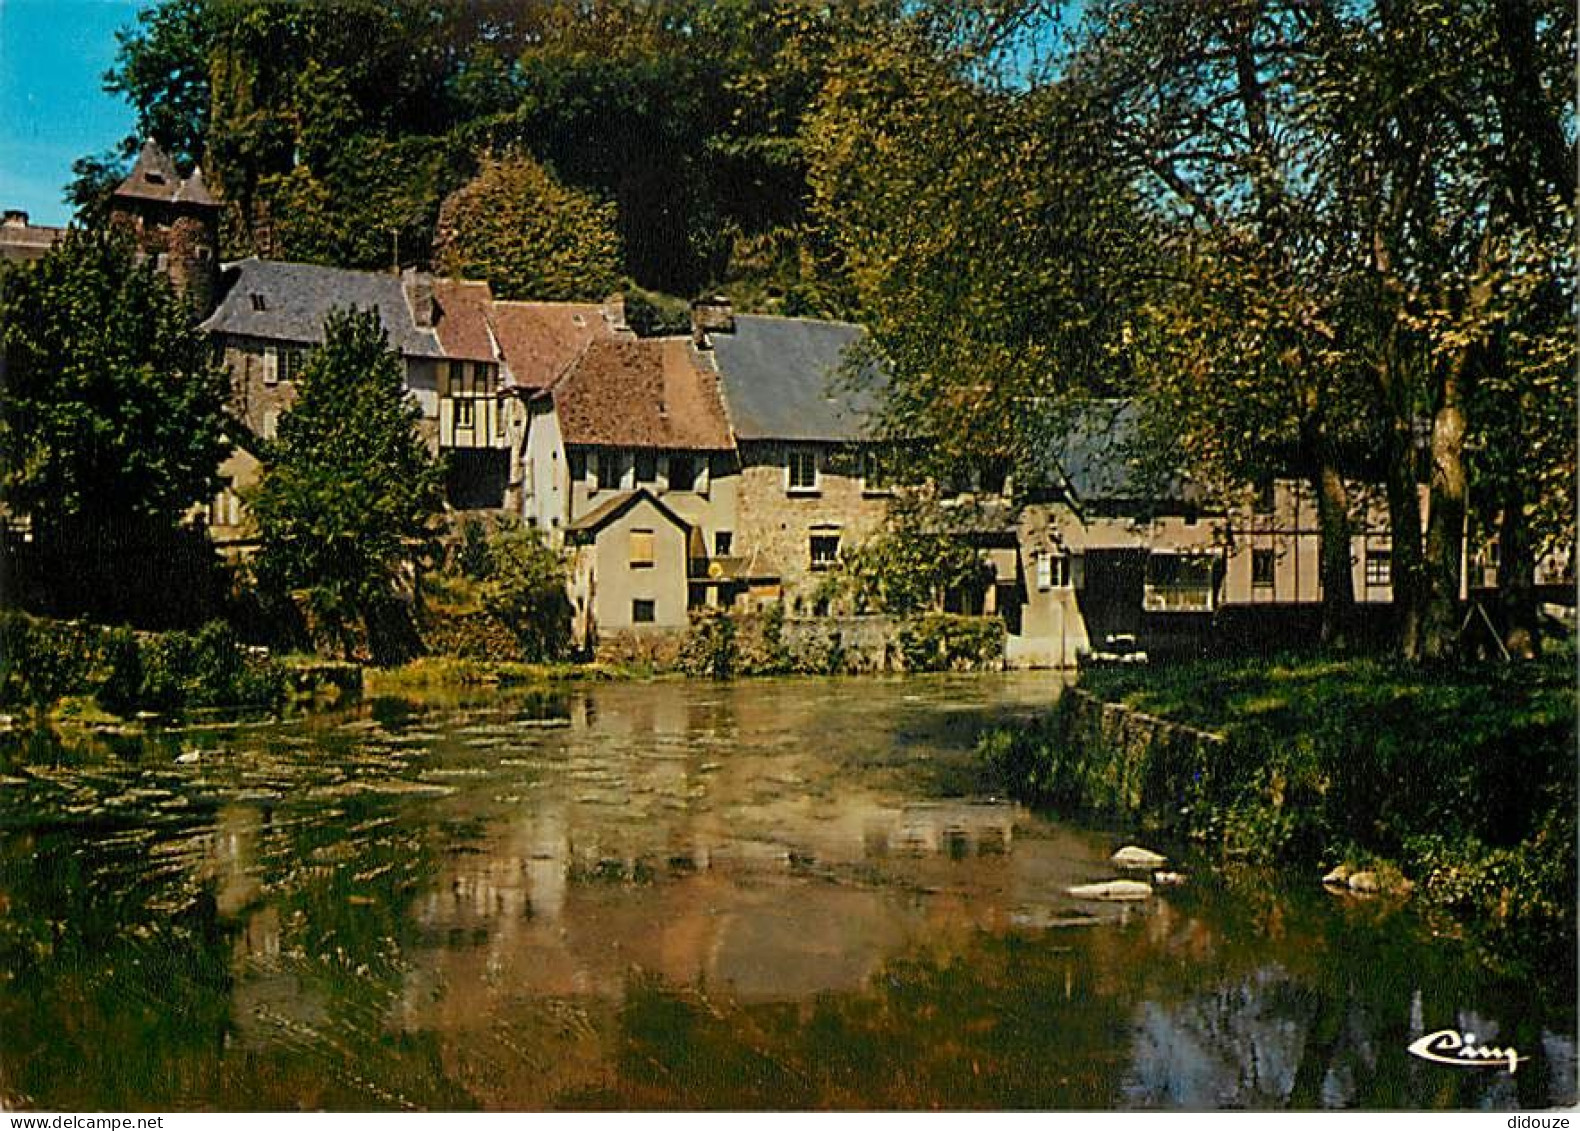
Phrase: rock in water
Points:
(1131, 856)
(1112, 889)
(1365, 883)
(189, 757)
(1338, 877)
(1168, 879)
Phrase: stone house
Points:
(812, 480)
(1107, 556)
(627, 447)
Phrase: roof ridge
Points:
(809, 321)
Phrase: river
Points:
(767, 894)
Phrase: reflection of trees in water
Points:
(675, 898)
(160, 952)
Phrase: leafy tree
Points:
(909, 566)
(529, 235)
(111, 424)
(992, 253)
(525, 589)
(350, 488)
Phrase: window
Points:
(1263, 503)
(271, 365)
(992, 477)
(1178, 583)
(577, 461)
(608, 471)
(225, 508)
(641, 549)
(682, 473)
(643, 611)
(463, 413)
(1379, 567)
(803, 471)
(722, 540)
(291, 362)
(257, 302)
(646, 467)
(271, 423)
(825, 550)
(1262, 564)
(1053, 571)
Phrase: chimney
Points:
(614, 314)
(711, 316)
(418, 288)
(15, 218)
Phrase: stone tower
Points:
(175, 222)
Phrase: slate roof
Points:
(641, 393)
(296, 297)
(154, 177)
(464, 322)
(1093, 454)
(541, 339)
(782, 379)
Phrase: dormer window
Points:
(257, 301)
(154, 178)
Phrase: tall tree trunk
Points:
(1445, 530)
(1517, 576)
(1404, 520)
(1334, 566)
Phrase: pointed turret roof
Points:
(154, 177)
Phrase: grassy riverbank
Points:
(1460, 782)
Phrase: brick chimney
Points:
(711, 316)
(418, 288)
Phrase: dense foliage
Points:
(43, 662)
(528, 235)
(523, 587)
(335, 131)
(350, 489)
(111, 426)
(1322, 241)
(1329, 762)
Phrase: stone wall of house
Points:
(777, 524)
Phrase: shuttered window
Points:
(641, 548)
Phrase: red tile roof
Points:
(541, 339)
(465, 311)
(642, 393)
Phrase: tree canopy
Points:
(528, 235)
(350, 488)
(111, 423)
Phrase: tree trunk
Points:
(1445, 531)
(1404, 520)
(1517, 577)
(1334, 566)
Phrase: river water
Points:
(769, 894)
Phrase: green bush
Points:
(1463, 778)
(709, 647)
(122, 659)
(524, 588)
(940, 642)
(42, 661)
